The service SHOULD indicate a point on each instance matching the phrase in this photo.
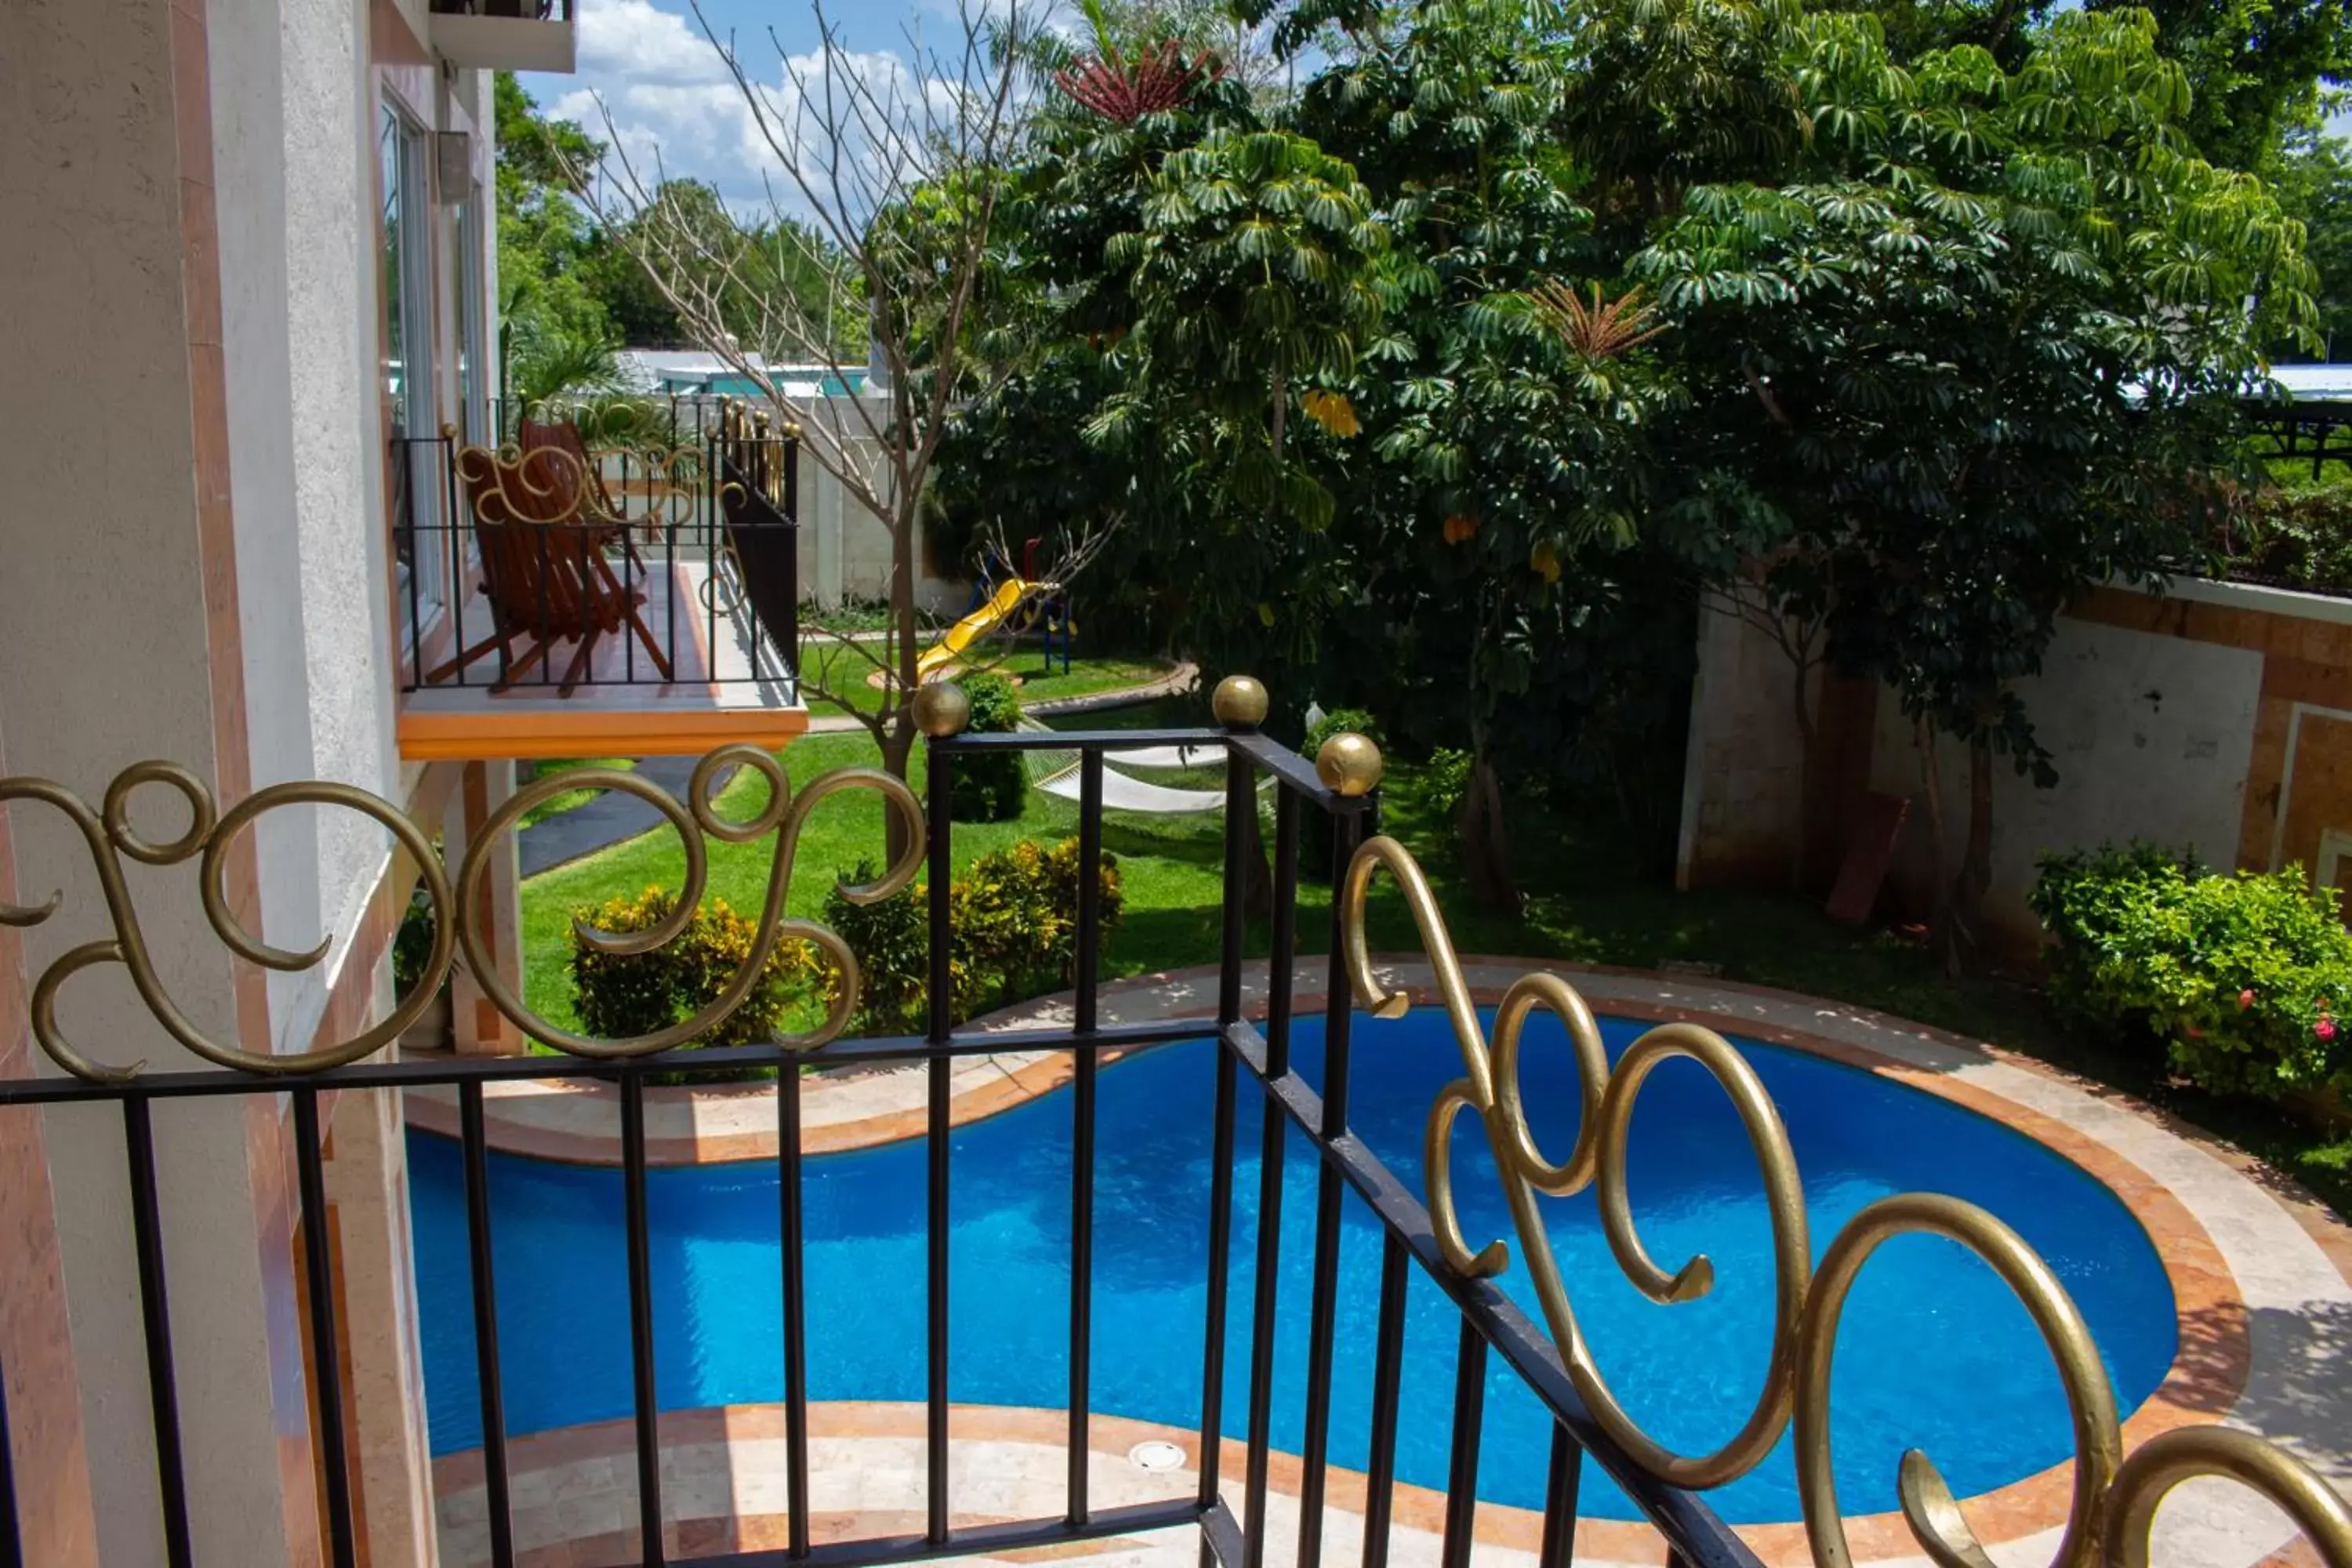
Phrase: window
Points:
(473, 368)
(407, 335)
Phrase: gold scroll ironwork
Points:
(460, 920)
(2112, 1509)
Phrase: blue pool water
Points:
(1934, 1353)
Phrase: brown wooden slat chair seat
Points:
(544, 574)
(606, 523)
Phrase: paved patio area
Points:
(2259, 1271)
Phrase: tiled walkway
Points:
(2259, 1271)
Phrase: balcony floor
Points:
(621, 708)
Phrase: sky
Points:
(664, 87)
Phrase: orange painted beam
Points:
(678, 728)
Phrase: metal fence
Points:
(2113, 1499)
(634, 542)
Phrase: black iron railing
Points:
(1488, 1323)
(529, 10)
(586, 549)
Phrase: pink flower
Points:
(2245, 998)
(2194, 1032)
(2325, 1028)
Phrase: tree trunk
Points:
(897, 737)
(1940, 916)
(1486, 852)
(898, 752)
(1975, 879)
(1800, 836)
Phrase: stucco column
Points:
(367, 1189)
(475, 1025)
(123, 642)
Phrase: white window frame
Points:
(399, 127)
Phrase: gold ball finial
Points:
(448, 431)
(1239, 702)
(1348, 765)
(941, 709)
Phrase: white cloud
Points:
(650, 80)
(632, 41)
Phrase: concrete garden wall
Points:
(2216, 716)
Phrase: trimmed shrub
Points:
(993, 786)
(2239, 974)
(1315, 843)
(893, 955)
(1015, 918)
(618, 995)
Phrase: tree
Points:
(754, 261)
(2313, 182)
(890, 172)
(2257, 67)
(2004, 28)
(1193, 287)
(1670, 93)
(1973, 357)
(554, 333)
(1504, 407)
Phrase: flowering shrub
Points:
(2246, 977)
(622, 994)
(1015, 919)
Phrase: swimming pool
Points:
(1934, 1352)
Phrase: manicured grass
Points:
(843, 671)
(1172, 873)
(562, 801)
(1588, 901)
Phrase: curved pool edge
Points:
(2230, 1248)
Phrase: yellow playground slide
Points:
(972, 627)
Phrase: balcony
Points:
(506, 35)
(1401, 1341)
(614, 580)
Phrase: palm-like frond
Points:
(1603, 329)
(1158, 77)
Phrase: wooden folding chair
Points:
(544, 574)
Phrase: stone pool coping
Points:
(2259, 1271)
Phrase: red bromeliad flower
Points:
(1158, 78)
(2245, 998)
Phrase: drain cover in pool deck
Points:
(1156, 1456)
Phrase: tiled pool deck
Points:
(2259, 1270)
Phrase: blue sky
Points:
(664, 85)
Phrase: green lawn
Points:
(1587, 902)
(562, 801)
(845, 671)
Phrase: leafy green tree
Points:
(747, 266)
(1670, 93)
(2258, 67)
(554, 333)
(1505, 408)
(1970, 360)
(1916, 27)
(2314, 181)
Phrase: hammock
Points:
(1057, 773)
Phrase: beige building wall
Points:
(2215, 718)
(198, 550)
